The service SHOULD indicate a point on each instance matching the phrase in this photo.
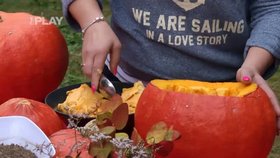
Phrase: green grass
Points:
(274, 82)
(51, 8)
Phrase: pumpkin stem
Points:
(24, 102)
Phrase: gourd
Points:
(41, 114)
(33, 56)
(221, 120)
(69, 142)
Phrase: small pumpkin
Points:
(33, 56)
(221, 120)
(69, 142)
(41, 114)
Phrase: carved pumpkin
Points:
(33, 56)
(41, 114)
(215, 120)
(69, 142)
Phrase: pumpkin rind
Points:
(33, 57)
(210, 126)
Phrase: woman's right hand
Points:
(99, 40)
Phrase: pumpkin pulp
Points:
(236, 89)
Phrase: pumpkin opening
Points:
(236, 89)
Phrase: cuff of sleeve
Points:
(69, 18)
(272, 45)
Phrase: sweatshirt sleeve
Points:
(69, 18)
(265, 23)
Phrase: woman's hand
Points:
(249, 75)
(98, 41)
(257, 61)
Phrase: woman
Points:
(180, 39)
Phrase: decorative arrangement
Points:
(102, 137)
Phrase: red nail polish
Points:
(115, 71)
(93, 88)
(246, 78)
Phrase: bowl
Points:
(22, 131)
(59, 95)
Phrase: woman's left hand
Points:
(248, 75)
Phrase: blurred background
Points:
(52, 8)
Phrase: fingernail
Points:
(115, 71)
(93, 88)
(246, 78)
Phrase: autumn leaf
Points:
(120, 116)
(160, 132)
(136, 137)
(157, 133)
(164, 148)
(172, 134)
(103, 118)
(111, 104)
(100, 151)
(121, 135)
(108, 130)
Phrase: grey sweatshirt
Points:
(191, 39)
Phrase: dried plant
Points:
(107, 142)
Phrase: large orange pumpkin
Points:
(69, 142)
(215, 120)
(33, 56)
(41, 114)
